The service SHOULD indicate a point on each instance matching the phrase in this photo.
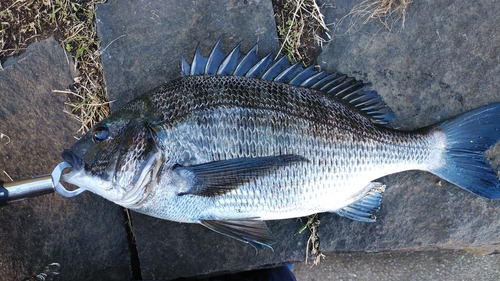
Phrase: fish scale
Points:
(239, 140)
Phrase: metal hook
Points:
(58, 187)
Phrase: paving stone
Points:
(440, 265)
(443, 63)
(169, 250)
(86, 234)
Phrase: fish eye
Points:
(100, 133)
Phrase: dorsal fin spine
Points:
(319, 85)
(260, 67)
(198, 64)
(215, 59)
(275, 69)
(248, 60)
(309, 82)
(231, 62)
(330, 86)
(344, 83)
(185, 67)
(346, 91)
(302, 76)
(288, 74)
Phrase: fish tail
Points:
(468, 136)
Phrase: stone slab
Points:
(443, 63)
(440, 265)
(169, 250)
(86, 234)
(142, 41)
(143, 53)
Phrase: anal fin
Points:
(363, 209)
(254, 232)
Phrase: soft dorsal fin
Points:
(342, 88)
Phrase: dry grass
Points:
(8, 176)
(312, 246)
(388, 12)
(301, 29)
(72, 22)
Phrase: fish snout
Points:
(71, 158)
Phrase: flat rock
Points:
(86, 235)
(169, 250)
(444, 62)
(142, 42)
(143, 53)
(439, 265)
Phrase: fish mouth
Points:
(71, 158)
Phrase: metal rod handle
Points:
(18, 190)
(22, 189)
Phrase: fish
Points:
(237, 140)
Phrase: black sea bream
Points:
(238, 140)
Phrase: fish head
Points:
(117, 158)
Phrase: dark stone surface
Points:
(142, 41)
(86, 234)
(417, 214)
(143, 53)
(444, 62)
(440, 265)
(169, 250)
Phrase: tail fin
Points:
(468, 136)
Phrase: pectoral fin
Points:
(254, 232)
(363, 210)
(219, 177)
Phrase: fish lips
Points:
(71, 158)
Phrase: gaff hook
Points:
(56, 176)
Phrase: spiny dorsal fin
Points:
(343, 88)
